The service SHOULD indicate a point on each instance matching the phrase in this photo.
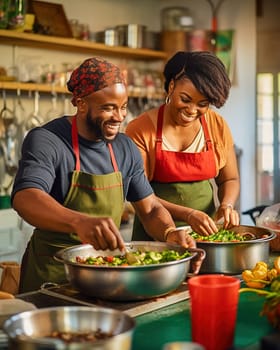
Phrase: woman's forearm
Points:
(228, 192)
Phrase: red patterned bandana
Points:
(92, 75)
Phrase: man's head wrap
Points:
(92, 75)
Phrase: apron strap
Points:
(206, 133)
(159, 129)
(160, 124)
(75, 143)
(113, 158)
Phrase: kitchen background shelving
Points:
(11, 37)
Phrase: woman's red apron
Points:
(182, 177)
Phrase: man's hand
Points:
(100, 232)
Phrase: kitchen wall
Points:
(238, 15)
(268, 34)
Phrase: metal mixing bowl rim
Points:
(72, 308)
(59, 257)
(257, 240)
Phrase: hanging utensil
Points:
(214, 26)
(8, 139)
(34, 118)
(20, 121)
(19, 109)
(66, 104)
(53, 112)
(6, 115)
(2, 171)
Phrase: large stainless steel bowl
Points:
(234, 257)
(30, 330)
(125, 283)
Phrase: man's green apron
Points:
(98, 195)
(181, 177)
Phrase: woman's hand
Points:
(227, 215)
(183, 238)
(201, 223)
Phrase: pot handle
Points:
(58, 256)
(201, 254)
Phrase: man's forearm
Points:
(42, 211)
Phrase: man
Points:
(75, 173)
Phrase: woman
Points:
(186, 145)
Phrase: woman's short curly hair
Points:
(205, 70)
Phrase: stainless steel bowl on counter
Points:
(125, 283)
(31, 330)
(234, 257)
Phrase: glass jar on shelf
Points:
(176, 18)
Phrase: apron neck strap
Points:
(160, 124)
(113, 159)
(206, 132)
(75, 144)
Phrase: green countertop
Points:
(172, 323)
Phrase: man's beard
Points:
(95, 126)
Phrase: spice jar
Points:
(176, 18)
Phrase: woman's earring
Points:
(167, 100)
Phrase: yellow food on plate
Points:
(261, 275)
(5, 295)
(277, 264)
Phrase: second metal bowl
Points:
(31, 330)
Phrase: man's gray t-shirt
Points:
(48, 161)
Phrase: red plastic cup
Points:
(214, 302)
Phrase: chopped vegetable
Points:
(142, 258)
(223, 236)
(80, 337)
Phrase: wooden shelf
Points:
(11, 37)
(14, 86)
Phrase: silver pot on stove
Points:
(233, 257)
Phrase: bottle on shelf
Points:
(4, 8)
(16, 14)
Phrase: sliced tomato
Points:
(109, 258)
